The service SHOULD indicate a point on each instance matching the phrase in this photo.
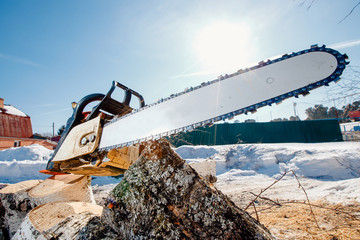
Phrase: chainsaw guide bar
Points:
(241, 92)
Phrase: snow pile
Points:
(329, 171)
(328, 161)
(23, 163)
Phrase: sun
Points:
(223, 46)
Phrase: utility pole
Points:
(53, 126)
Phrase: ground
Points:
(294, 219)
(329, 174)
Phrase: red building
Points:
(16, 129)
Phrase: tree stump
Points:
(161, 196)
(16, 204)
(59, 220)
(66, 187)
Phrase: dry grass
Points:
(293, 220)
(304, 220)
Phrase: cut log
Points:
(67, 187)
(16, 204)
(60, 220)
(161, 196)
(18, 199)
(206, 169)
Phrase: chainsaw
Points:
(108, 139)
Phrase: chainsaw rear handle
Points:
(75, 120)
(106, 104)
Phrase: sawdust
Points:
(293, 220)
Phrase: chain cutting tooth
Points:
(337, 79)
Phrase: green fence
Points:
(270, 132)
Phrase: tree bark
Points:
(60, 220)
(161, 196)
(16, 204)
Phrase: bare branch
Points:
(304, 1)
(263, 190)
(276, 181)
(350, 214)
(350, 12)
(267, 199)
(257, 216)
(345, 91)
(310, 4)
(301, 4)
(312, 213)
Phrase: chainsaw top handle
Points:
(114, 107)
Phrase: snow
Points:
(328, 161)
(328, 171)
(23, 163)
(14, 111)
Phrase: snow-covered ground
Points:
(329, 171)
(23, 163)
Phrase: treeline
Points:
(321, 112)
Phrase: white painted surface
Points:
(222, 97)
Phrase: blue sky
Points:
(56, 52)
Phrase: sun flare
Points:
(223, 46)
